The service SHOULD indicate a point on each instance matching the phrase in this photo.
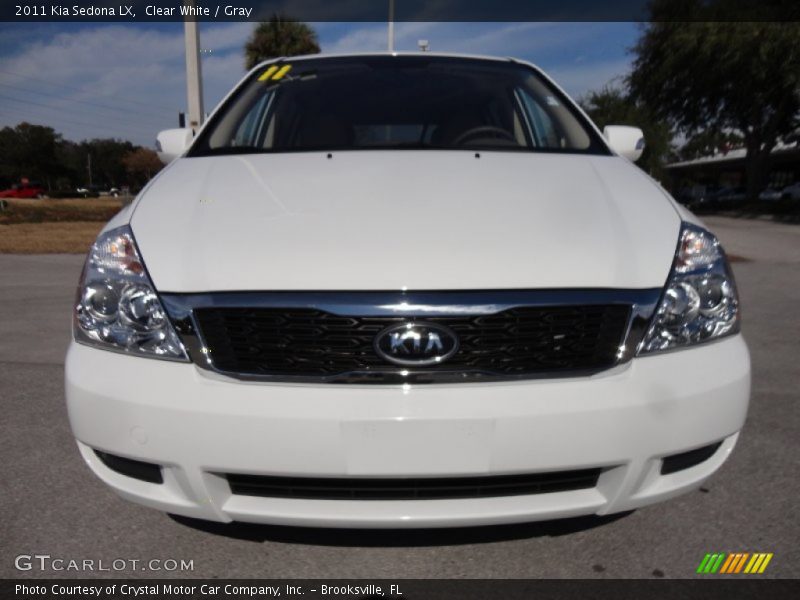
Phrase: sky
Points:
(127, 81)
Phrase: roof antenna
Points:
(424, 46)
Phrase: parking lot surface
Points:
(53, 505)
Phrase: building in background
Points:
(721, 172)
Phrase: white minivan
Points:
(404, 290)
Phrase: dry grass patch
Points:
(73, 237)
(58, 210)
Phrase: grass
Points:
(70, 209)
(71, 237)
(53, 226)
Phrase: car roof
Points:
(417, 54)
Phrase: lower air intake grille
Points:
(324, 488)
(687, 460)
(515, 342)
(137, 469)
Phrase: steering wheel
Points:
(484, 129)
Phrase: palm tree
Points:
(279, 36)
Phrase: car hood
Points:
(395, 220)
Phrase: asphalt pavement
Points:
(53, 505)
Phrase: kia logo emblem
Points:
(416, 344)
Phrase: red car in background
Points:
(23, 190)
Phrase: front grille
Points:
(325, 488)
(515, 342)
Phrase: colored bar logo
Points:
(735, 562)
(274, 73)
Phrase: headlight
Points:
(117, 307)
(700, 301)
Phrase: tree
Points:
(709, 142)
(278, 37)
(105, 158)
(29, 151)
(722, 77)
(40, 154)
(613, 106)
(142, 164)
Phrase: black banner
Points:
(403, 10)
(402, 589)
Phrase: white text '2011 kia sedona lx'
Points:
(404, 291)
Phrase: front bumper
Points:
(198, 425)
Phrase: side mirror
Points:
(625, 141)
(171, 143)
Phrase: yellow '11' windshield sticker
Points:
(274, 73)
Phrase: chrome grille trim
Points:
(181, 307)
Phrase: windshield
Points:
(396, 102)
